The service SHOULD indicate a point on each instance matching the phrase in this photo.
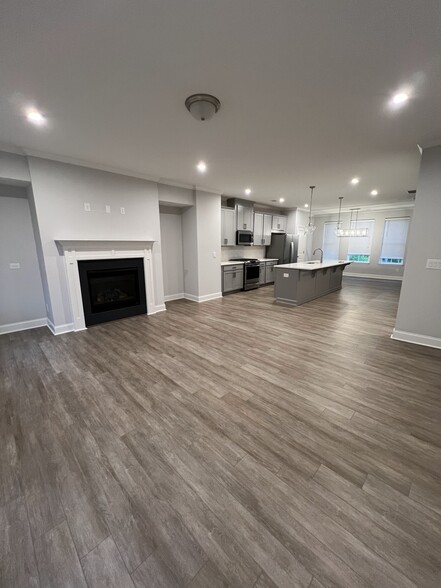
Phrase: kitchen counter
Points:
(313, 265)
(231, 263)
(268, 259)
(297, 283)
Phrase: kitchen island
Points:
(297, 283)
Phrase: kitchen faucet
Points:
(321, 253)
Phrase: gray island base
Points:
(297, 283)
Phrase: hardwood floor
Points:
(230, 443)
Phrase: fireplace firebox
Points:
(112, 289)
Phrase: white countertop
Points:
(232, 263)
(312, 266)
(269, 259)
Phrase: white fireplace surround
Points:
(75, 251)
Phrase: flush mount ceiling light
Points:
(202, 106)
(247, 191)
(281, 199)
(35, 117)
(201, 167)
(306, 205)
(351, 231)
(310, 228)
(400, 98)
(355, 181)
(374, 193)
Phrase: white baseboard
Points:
(171, 297)
(205, 298)
(156, 309)
(373, 276)
(23, 326)
(417, 339)
(60, 329)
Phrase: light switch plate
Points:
(87, 207)
(286, 275)
(14, 266)
(107, 209)
(122, 210)
(433, 264)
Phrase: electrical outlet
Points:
(107, 209)
(122, 210)
(14, 266)
(87, 207)
(433, 264)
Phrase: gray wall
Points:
(172, 254)
(60, 191)
(21, 296)
(14, 169)
(372, 268)
(419, 311)
(208, 211)
(190, 251)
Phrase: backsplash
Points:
(230, 252)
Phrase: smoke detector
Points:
(202, 106)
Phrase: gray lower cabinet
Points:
(269, 271)
(232, 278)
(262, 274)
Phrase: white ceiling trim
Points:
(361, 208)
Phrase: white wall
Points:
(175, 196)
(419, 310)
(21, 296)
(208, 216)
(60, 191)
(172, 255)
(367, 269)
(13, 169)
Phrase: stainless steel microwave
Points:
(244, 237)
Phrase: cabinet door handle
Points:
(244, 226)
(225, 241)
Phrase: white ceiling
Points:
(304, 86)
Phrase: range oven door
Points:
(252, 275)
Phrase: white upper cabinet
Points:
(267, 226)
(228, 224)
(262, 228)
(279, 223)
(245, 218)
(258, 228)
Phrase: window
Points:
(394, 240)
(330, 241)
(359, 248)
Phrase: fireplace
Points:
(112, 289)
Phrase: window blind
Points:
(330, 241)
(394, 240)
(359, 248)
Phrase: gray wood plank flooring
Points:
(235, 443)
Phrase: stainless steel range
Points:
(251, 272)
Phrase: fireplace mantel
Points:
(97, 245)
(75, 250)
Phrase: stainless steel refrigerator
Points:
(284, 247)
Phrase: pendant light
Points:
(351, 231)
(311, 227)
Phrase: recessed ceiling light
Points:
(355, 181)
(306, 205)
(281, 199)
(248, 191)
(400, 98)
(35, 117)
(202, 167)
(374, 193)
